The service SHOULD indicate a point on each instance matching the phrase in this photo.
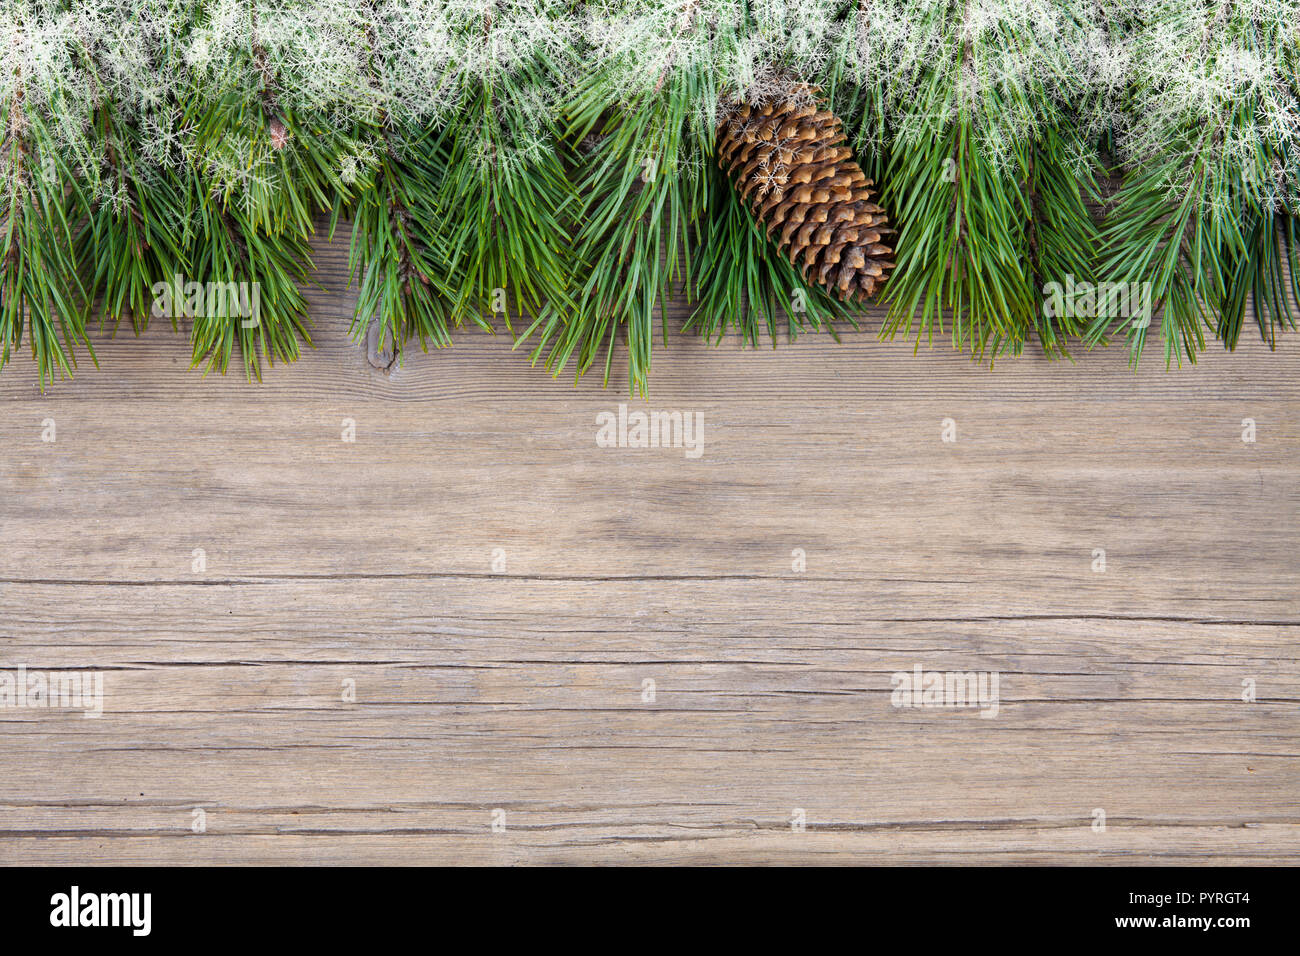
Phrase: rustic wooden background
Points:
(518, 696)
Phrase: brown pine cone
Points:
(792, 164)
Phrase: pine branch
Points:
(399, 277)
(1200, 219)
(960, 249)
(263, 170)
(636, 219)
(746, 283)
(1062, 238)
(506, 196)
(989, 211)
(40, 278)
(250, 286)
(134, 237)
(554, 159)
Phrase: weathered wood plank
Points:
(521, 687)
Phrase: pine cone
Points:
(279, 133)
(791, 162)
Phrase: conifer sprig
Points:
(633, 241)
(400, 281)
(745, 283)
(467, 218)
(505, 189)
(987, 170)
(42, 199)
(554, 159)
(1209, 136)
(40, 284)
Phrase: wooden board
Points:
(518, 693)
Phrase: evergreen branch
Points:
(745, 282)
(399, 281)
(134, 236)
(250, 287)
(636, 219)
(554, 159)
(510, 192)
(960, 248)
(398, 277)
(40, 278)
(1062, 239)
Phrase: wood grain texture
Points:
(371, 562)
